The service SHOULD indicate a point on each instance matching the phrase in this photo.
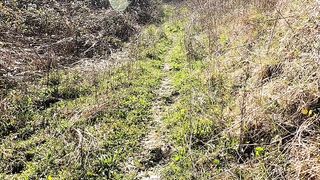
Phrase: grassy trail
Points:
(76, 124)
(171, 112)
(104, 124)
(156, 149)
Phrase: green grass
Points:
(73, 125)
(197, 115)
(90, 131)
(70, 126)
(111, 121)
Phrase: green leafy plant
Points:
(259, 151)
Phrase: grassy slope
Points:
(96, 125)
(94, 129)
(83, 125)
(251, 111)
(88, 136)
(41, 36)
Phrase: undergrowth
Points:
(248, 101)
(245, 108)
(73, 127)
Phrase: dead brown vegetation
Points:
(270, 52)
(36, 36)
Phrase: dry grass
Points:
(36, 37)
(247, 74)
(269, 50)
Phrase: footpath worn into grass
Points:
(176, 111)
(157, 147)
(90, 125)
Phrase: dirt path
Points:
(156, 150)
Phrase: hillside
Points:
(37, 37)
(188, 89)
